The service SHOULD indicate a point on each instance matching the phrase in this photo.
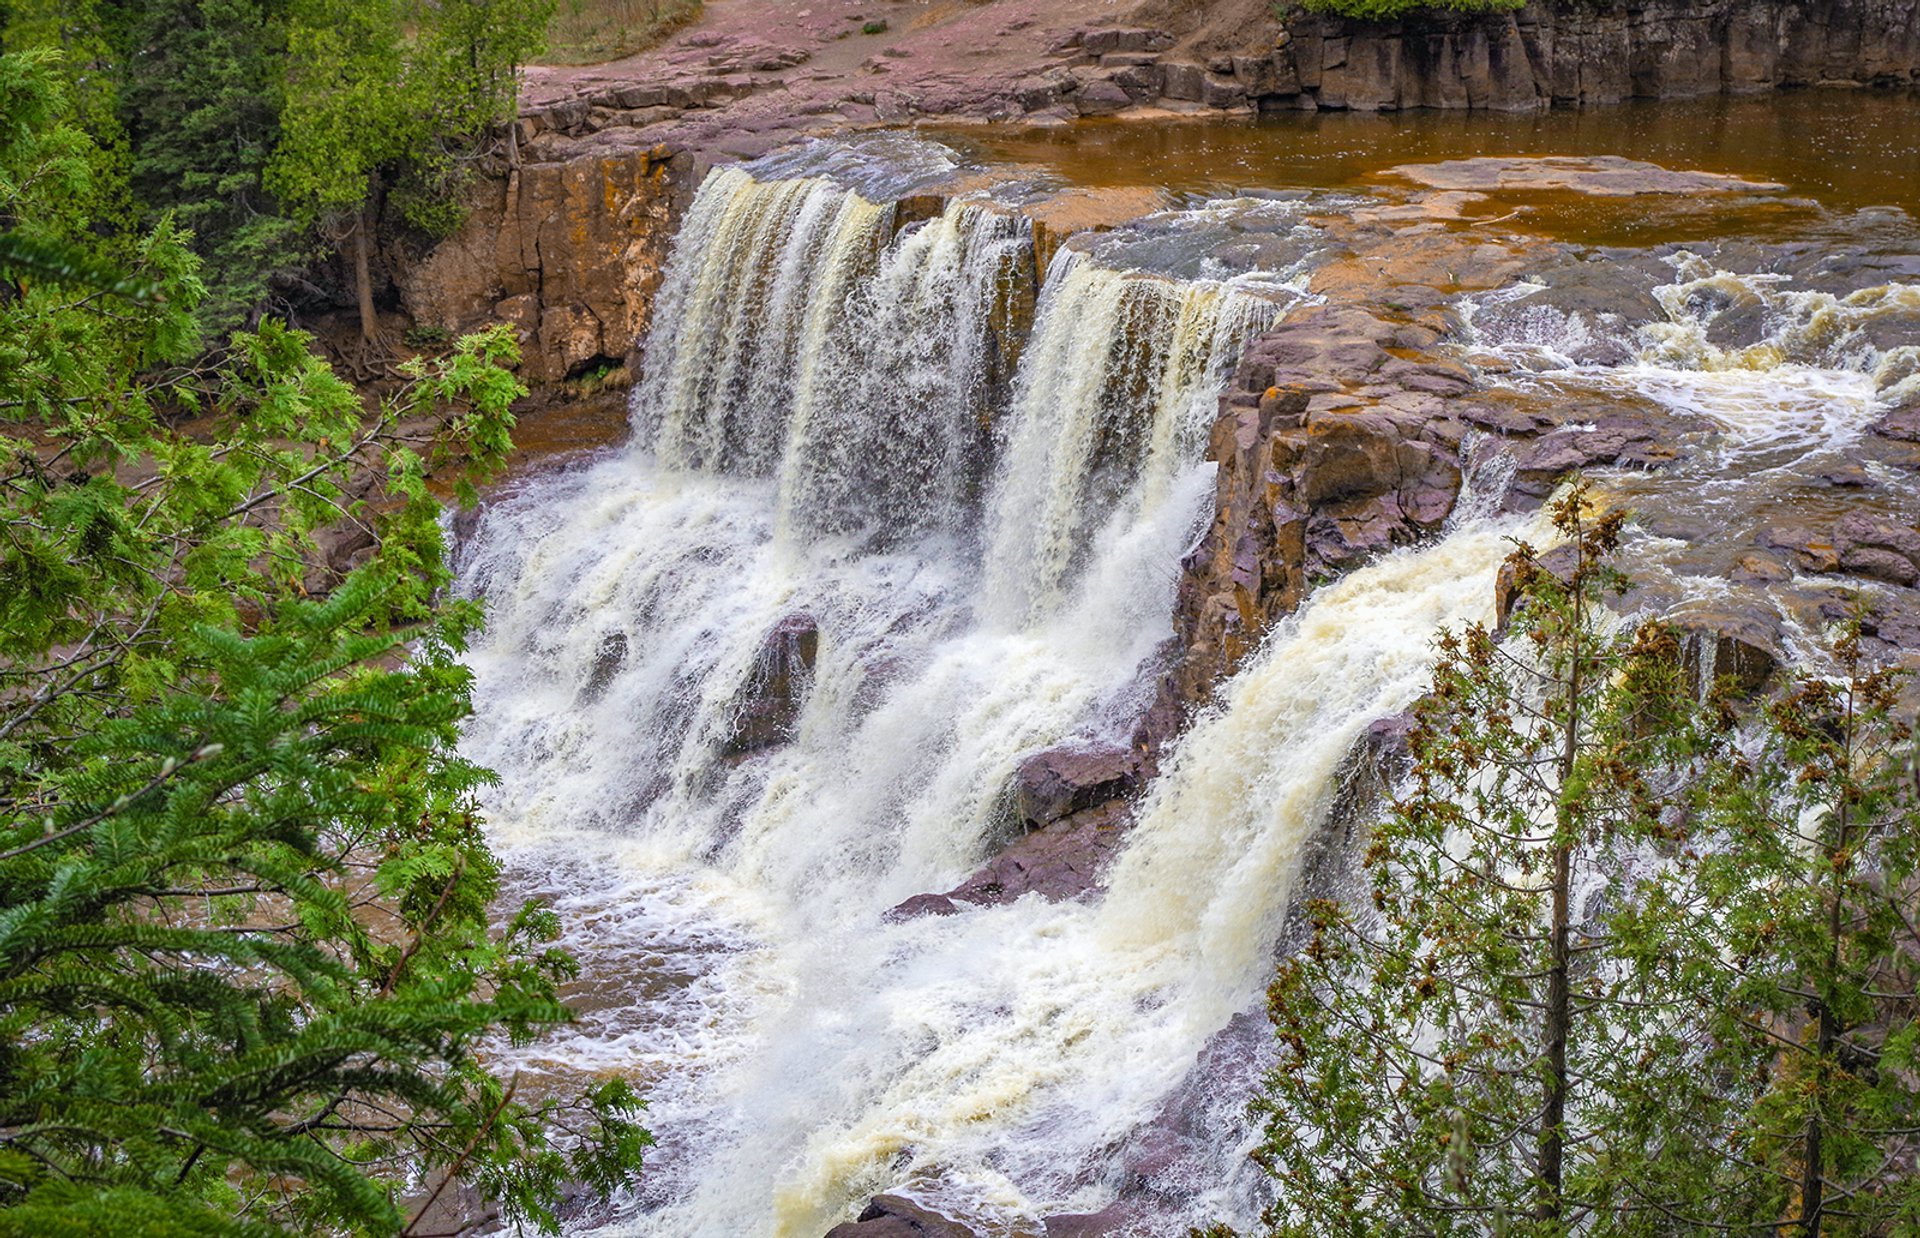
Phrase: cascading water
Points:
(1108, 346)
(828, 440)
(1771, 386)
(777, 299)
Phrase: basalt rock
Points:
(1330, 450)
(1061, 860)
(1859, 544)
(1555, 53)
(1877, 549)
(896, 1216)
(770, 704)
(1060, 781)
(1735, 644)
(568, 253)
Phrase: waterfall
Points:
(1118, 394)
(833, 435)
(801, 339)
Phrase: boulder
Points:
(1222, 92)
(1733, 644)
(1810, 551)
(1062, 860)
(1101, 97)
(896, 1216)
(1878, 549)
(1182, 81)
(770, 702)
(1059, 781)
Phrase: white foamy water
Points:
(825, 437)
(846, 426)
(1789, 401)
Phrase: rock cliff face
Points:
(569, 253)
(1557, 53)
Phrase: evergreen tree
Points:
(1465, 1052)
(1795, 906)
(200, 101)
(1633, 962)
(248, 972)
(383, 93)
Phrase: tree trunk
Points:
(1559, 1004)
(1837, 854)
(362, 278)
(1558, 1018)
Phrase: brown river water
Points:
(1834, 151)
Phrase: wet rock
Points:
(1735, 644)
(1877, 549)
(1052, 784)
(1116, 1218)
(1222, 92)
(607, 661)
(1329, 452)
(1809, 550)
(1759, 568)
(776, 688)
(1507, 593)
(896, 1216)
(1889, 622)
(1598, 175)
(1062, 860)
(1901, 425)
(1622, 439)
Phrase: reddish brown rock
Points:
(1053, 784)
(777, 687)
(1736, 644)
(895, 1216)
(1877, 549)
(569, 253)
(1326, 457)
(1062, 860)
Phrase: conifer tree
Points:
(249, 971)
(1797, 907)
(1633, 959)
(1459, 1051)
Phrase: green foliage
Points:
(1388, 10)
(248, 972)
(200, 100)
(262, 128)
(1623, 965)
(1796, 904)
(378, 87)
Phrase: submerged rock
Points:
(770, 704)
